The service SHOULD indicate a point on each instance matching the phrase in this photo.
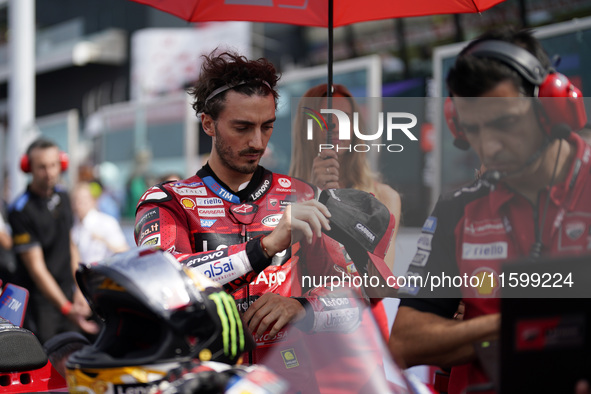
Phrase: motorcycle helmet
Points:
(156, 314)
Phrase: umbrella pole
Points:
(330, 61)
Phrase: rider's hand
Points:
(273, 312)
(302, 221)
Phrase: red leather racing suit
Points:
(209, 228)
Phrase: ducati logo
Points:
(574, 230)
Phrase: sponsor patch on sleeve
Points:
(155, 194)
(424, 242)
(147, 217)
(411, 286)
(151, 241)
(420, 258)
(430, 225)
(150, 229)
(21, 239)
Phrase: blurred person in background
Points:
(170, 176)
(41, 219)
(96, 234)
(112, 196)
(330, 169)
(7, 260)
(139, 181)
(105, 198)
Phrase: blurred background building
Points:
(110, 78)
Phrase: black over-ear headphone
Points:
(569, 112)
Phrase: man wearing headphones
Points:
(41, 220)
(534, 188)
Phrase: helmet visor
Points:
(147, 274)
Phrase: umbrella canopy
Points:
(318, 13)
(313, 12)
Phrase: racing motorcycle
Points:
(352, 359)
(168, 329)
(24, 365)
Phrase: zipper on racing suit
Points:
(246, 238)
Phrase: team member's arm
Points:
(273, 312)
(424, 331)
(35, 264)
(419, 338)
(80, 309)
(5, 239)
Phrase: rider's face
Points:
(241, 132)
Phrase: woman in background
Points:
(333, 169)
(330, 169)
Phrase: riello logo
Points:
(393, 124)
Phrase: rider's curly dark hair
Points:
(228, 69)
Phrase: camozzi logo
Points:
(395, 122)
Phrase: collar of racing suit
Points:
(257, 178)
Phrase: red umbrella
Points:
(319, 13)
(313, 12)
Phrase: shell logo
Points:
(289, 356)
(187, 203)
(488, 281)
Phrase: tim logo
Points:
(343, 125)
(11, 303)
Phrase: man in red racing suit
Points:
(226, 248)
(233, 221)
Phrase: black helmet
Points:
(156, 315)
